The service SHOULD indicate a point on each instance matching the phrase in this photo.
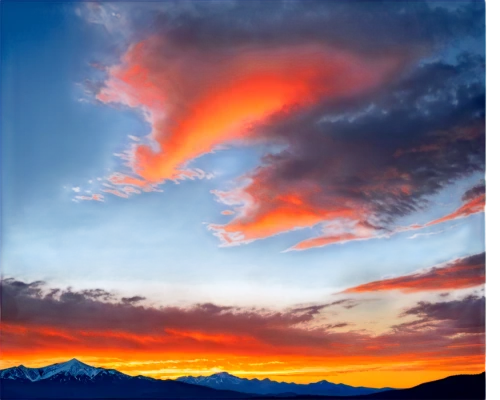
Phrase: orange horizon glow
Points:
(368, 372)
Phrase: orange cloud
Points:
(196, 101)
(40, 322)
(459, 274)
(472, 206)
(474, 202)
(94, 197)
(116, 193)
(201, 91)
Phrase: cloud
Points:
(474, 192)
(458, 274)
(96, 309)
(210, 74)
(94, 197)
(346, 176)
(338, 232)
(133, 299)
(95, 322)
(116, 192)
(364, 121)
(76, 189)
(474, 201)
(94, 6)
(465, 316)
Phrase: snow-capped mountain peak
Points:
(214, 379)
(72, 369)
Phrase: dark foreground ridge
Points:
(457, 387)
(76, 380)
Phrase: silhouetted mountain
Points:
(457, 387)
(225, 381)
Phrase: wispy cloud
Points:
(458, 274)
(345, 230)
(94, 197)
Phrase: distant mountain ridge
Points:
(76, 380)
(226, 381)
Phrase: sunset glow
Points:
(279, 190)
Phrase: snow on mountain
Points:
(215, 379)
(20, 372)
(69, 370)
(76, 372)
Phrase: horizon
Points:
(224, 373)
(283, 189)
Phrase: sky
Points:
(282, 189)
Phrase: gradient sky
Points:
(291, 190)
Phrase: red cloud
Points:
(200, 86)
(474, 202)
(472, 206)
(65, 323)
(197, 100)
(458, 274)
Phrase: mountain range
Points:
(76, 380)
(226, 381)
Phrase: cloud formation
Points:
(363, 127)
(458, 274)
(346, 171)
(94, 321)
(456, 317)
(474, 202)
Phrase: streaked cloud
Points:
(69, 321)
(458, 274)
(94, 197)
(340, 231)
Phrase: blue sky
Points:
(55, 139)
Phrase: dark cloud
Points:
(374, 158)
(133, 299)
(81, 296)
(371, 26)
(71, 321)
(95, 310)
(33, 289)
(474, 192)
(467, 315)
(446, 325)
(316, 309)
